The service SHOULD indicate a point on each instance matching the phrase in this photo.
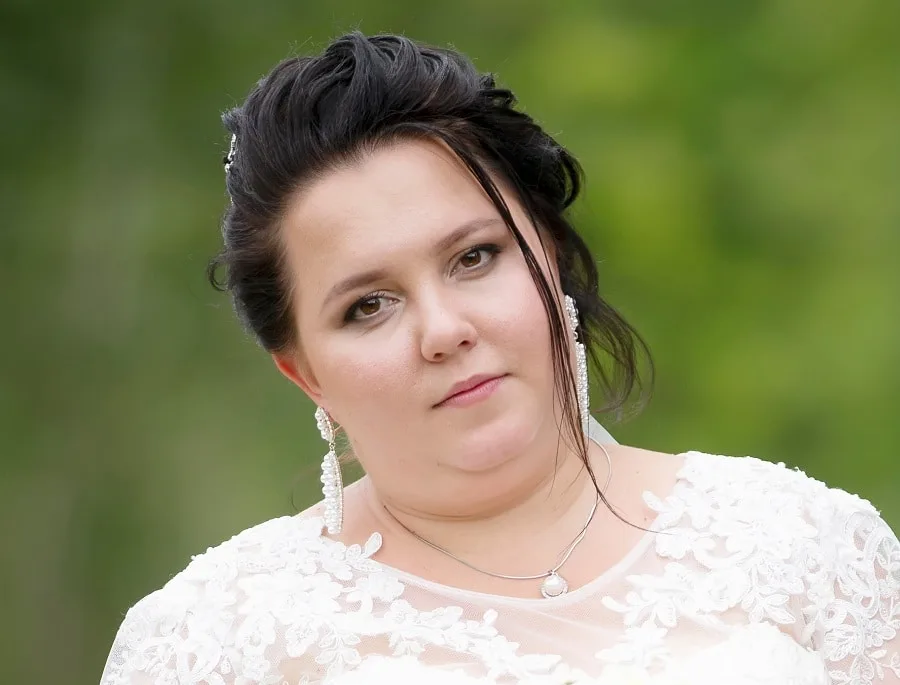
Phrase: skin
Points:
(475, 479)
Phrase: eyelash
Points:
(491, 248)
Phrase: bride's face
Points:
(405, 282)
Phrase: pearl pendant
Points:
(554, 586)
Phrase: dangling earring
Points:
(581, 361)
(332, 483)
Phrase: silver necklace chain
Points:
(555, 585)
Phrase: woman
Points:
(397, 241)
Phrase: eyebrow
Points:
(364, 278)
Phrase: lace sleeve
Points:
(852, 607)
(168, 638)
(129, 662)
(190, 633)
(261, 608)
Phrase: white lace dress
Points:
(765, 576)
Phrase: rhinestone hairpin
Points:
(229, 158)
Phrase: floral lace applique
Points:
(742, 532)
(222, 616)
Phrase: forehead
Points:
(396, 193)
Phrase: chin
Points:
(480, 461)
(492, 444)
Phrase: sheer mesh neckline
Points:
(571, 597)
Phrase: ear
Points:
(297, 371)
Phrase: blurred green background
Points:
(743, 161)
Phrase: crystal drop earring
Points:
(332, 483)
(581, 361)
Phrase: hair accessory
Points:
(228, 160)
(332, 483)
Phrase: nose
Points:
(446, 328)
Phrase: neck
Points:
(548, 511)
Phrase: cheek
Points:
(527, 334)
(521, 307)
(363, 370)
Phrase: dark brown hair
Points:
(310, 115)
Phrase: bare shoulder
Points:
(317, 510)
(638, 459)
(635, 471)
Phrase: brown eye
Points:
(466, 260)
(474, 258)
(365, 308)
(368, 307)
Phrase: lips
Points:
(469, 384)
